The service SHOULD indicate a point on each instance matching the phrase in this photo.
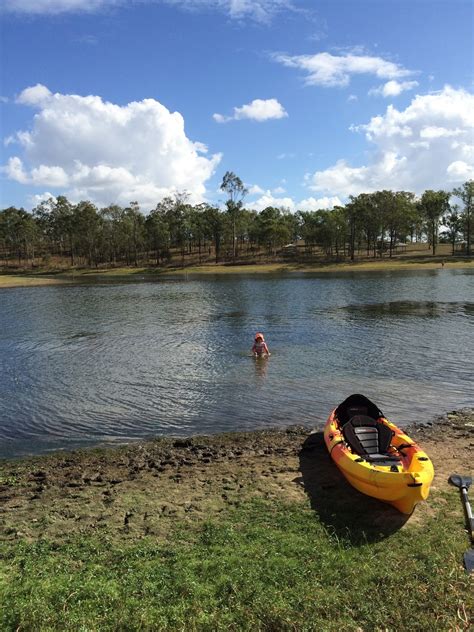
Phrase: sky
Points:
(308, 102)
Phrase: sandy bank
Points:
(77, 276)
(137, 490)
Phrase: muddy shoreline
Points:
(139, 489)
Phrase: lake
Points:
(118, 361)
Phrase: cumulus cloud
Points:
(89, 148)
(288, 203)
(324, 69)
(429, 145)
(258, 110)
(262, 11)
(393, 88)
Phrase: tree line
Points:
(373, 224)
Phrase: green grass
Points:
(261, 566)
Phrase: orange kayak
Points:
(375, 456)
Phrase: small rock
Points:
(183, 443)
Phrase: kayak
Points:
(375, 456)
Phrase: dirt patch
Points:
(141, 489)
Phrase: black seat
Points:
(357, 405)
(369, 439)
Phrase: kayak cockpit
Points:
(370, 439)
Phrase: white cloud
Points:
(309, 204)
(108, 153)
(460, 171)
(316, 204)
(36, 95)
(258, 10)
(429, 145)
(35, 200)
(39, 7)
(255, 190)
(393, 88)
(278, 191)
(262, 11)
(258, 110)
(324, 69)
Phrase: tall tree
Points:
(453, 223)
(433, 205)
(158, 233)
(236, 192)
(214, 227)
(466, 194)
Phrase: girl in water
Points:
(260, 349)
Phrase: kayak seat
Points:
(356, 405)
(369, 439)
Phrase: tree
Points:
(433, 205)
(158, 234)
(272, 230)
(135, 227)
(236, 192)
(453, 223)
(466, 194)
(18, 232)
(63, 225)
(87, 224)
(114, 232)
(214, 227)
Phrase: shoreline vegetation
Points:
(372, 231)
(237, 531)
(21, 277)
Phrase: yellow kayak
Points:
(375, 456)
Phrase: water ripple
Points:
(89, 363)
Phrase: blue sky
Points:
(308, 102)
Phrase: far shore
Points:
(27, 278)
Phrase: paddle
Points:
(463, 483)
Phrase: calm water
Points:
(85, 364)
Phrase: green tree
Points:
(214, 228)
(87, 224)
(18, 233)
(236, 192)
(135, 230)
(433, 205)
(453, 222)
(272, 230)
(63, 226)
(466, 194)
(158, 234)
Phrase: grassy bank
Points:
(246, 531)
(261, 566)
(48, 276)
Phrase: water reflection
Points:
(88, 363)
(421, 309)
(261, 366)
